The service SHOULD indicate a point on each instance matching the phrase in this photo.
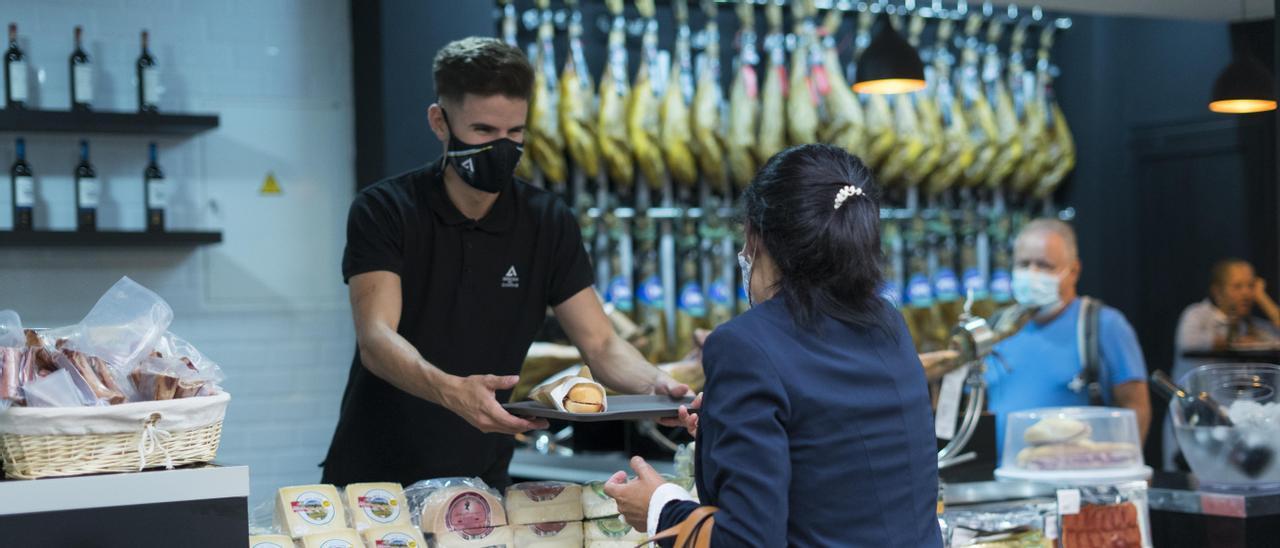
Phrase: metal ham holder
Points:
(972, 341)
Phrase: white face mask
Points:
(1036, 289)
(744, 263)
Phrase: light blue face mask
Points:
(1036, 289)
(744, 264)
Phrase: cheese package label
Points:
(394, 536)
(612, 529)
(544, 502)
(376, 504)
(270, 541)
(342, 538)
(461, 509)
(596, 504)
(486, 537)
(549, 535)
(307, 509)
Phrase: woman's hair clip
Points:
(846, 193)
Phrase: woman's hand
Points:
(633, 496)
(688, 420)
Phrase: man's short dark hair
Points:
(484, 67)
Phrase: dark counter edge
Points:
(211, 523)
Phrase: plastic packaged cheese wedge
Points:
(596, 504)
(461, 512)
(270, 541)
(576, 394)
(342, 538)
(393, 536)
(611, 532)
(306, 509)
(549, 535)
(543, 502)
(489, 537)
(376, 504)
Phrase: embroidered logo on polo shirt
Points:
(511, 280)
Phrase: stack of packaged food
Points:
(451, 512)
(121, 352)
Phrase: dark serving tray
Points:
(621, 408)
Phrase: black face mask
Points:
(487, 167)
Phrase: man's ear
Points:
(435, 118)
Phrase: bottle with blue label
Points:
(650, 298)
(1001, 285)
(923, 316)
(973, 281)
(892, 288)
(946, 285)
(620, 293)
(719, 294)
(691, 303)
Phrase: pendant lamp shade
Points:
(1244, 86)
(889, 64)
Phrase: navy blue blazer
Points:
(815, 437)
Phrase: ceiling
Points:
(1211, 10)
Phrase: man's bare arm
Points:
(376, 308)
(1134, 395)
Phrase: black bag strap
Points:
(1090, 351)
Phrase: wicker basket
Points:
(52, 442)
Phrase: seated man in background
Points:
(1042, 365)
(1223, 320)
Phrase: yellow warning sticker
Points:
(270, 187)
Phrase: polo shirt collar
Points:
(499, 219)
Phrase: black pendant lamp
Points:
(889, 64)
(1246, 85)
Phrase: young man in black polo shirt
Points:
(451, 268)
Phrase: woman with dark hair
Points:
(815, 428)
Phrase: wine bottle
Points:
(24, 190)
(81, 76)
(148, 79)
(15, 72)
(1197, 410)
(157, 193)
(87, 191)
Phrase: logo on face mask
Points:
(469, 165)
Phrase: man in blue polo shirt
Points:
(1041, 365)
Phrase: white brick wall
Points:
(268, 303)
